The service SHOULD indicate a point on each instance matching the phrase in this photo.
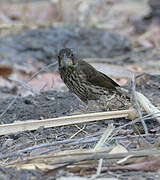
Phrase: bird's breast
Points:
(72, 80)
(80, 86)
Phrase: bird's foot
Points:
(91, 106)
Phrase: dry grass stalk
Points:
(104, 137)
(67, 120)
(83, 118)
(148, 106)
(76, 156)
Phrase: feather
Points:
(95, 77)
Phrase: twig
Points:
(134, 136)
(8, 107)
(87, 139)
(61, 121)
(148, 106)
(80, 130)
(99, 167)
(104, 137)
(69, 145)
(68, 142)
(66, 120)
(147, 117)
(71, 142)
(83, 155)
(42, 70)
(137, 106)
(20, 152)
(24, 85)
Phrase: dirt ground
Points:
(26, 52)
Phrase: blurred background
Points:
(118, 37)
(111, 15)
(116, 15)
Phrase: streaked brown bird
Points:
(88, 83)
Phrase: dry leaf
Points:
(151, 164)
(34, 166)
(46, 81)
(121, 81)
(146, 43)
(118, 149)
(104, 137)
(5, 71)
(134, 68)
(143, 80)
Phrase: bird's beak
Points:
(66, 62)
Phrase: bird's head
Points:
(66, 58)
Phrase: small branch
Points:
(137, 106)
(68, 120)
(99, 169)
(24, 85)
(43, 70)
(66, 143)
(61, 121)
(147, 117)
(105, 135)
(148, 106)
(80, 156)
(8, 107)
(69, 142)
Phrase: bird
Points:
(87, 83)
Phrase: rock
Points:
(143, 23)
(43, 44)
(155, 8)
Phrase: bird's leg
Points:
(105, 101)
(90, 106)
(83, 107)
(121, 101)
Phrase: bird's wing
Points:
(95, 77)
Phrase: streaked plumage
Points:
(83, 79)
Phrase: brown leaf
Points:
(134, 68)
(46, 81)
(142, 80)
(121, 81)
(148, 164)
(83, 171)
(5, 71)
